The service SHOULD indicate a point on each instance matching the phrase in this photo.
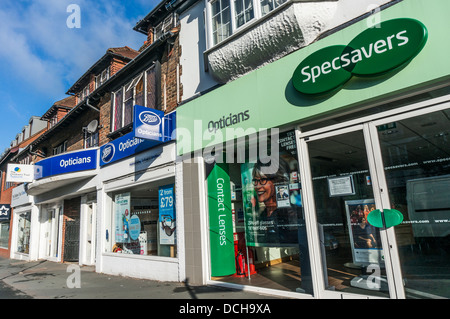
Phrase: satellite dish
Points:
(92, 126)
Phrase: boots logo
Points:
(373, 52)
(149, 118)
(108, 153)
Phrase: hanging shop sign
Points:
(150, 128)
(373, 52)
(20, 173)
(151, 124)
(148, 123)
(220, 221)
(167, 215)
(66, 163)
(5, 212)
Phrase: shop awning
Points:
(55, 182)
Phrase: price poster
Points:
(167, 222)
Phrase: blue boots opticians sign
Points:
(148, 123)
(150, 128)
(66, 163)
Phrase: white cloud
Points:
(37, 43)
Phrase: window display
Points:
(144, 221)
(23, 239)
(259, 202)
(4, 234)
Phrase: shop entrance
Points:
(52, 233)
(400, 162)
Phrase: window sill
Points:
(120, 132)
(143, 257)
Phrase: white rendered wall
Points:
(294, 25)
(193, 43)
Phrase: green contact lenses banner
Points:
(220, 222)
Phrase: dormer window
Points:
(85, 92)
(165, 26)
(53, 120)
(102, 77)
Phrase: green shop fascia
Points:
(406, 51)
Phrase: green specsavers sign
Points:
(373, 52)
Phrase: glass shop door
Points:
(351, 256)
(400, 166)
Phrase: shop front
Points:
(137, 200)
(326, 176)
(25, 222)
(64, 197)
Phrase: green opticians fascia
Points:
(375, 51)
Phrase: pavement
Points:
(50, 280)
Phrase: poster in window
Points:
(167, 215)
(365, 239)
(122, 214)
(272, 212)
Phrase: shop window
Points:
(23, 233)
(144, 221)
(256, 219)
(4, 234)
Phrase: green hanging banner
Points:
(220, 222)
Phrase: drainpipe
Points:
(91, 106)
(34, 153)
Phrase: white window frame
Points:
(132, 84)
(85, 92)
(102, 77)
(60, 149)
(257, 14)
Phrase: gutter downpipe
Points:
(91, 106)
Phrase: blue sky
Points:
(41, 57)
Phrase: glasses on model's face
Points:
(260, 181)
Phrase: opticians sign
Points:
(148, 123)
(150, 128)
(66, 163)
(373, 52)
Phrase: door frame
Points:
(368, 125)
(47, 230)
(306, 177)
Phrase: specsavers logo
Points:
(373, 52)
